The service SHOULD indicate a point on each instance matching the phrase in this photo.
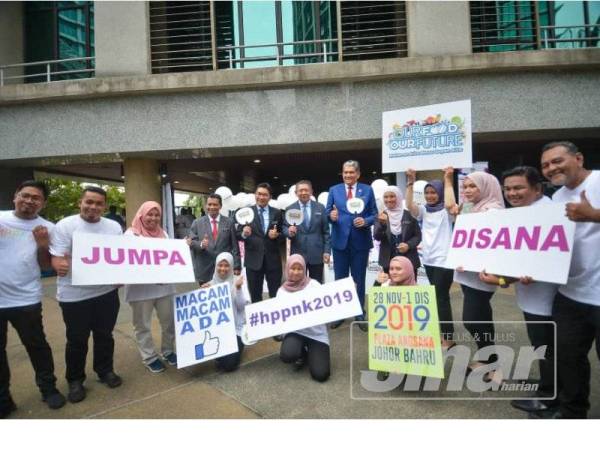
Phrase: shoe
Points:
(278, 338)
(382, 376)
(299, 363)
(54, 399)
(156, 366)
(76, 391)
(529, 405)
(111, 379)
(337, 324)
(550, 413)
(8, 409)
(171, 358)
(364, 327)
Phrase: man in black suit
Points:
(311, 238)
(262, 237)
(210, 235)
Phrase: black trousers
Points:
(97, 316)
(541, 334)
(442, 279)
(295, 346)
(477, 308)
(578, 325)
(256, 279)
(27, 321)
(315, 271)
(231, 362)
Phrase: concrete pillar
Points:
(438, 28)
(12, 43)
(122, 38)
(142, 183)
(10, 179)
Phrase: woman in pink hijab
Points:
(144, 298)
(308, 344)
(482, 192)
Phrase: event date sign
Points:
(404, 333)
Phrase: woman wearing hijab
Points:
(144, 298)
(482, 192)
(436, 228)
(240, 296)
(310, 343)
(397, 231)
(401, 273)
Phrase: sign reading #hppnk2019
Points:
(404, 333)
(109, 259)
(307, 308)
(427, 137)
(534, 241)
(204, 325)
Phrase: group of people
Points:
(410, 234)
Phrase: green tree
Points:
(195, 202)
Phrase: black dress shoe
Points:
(278, 338)
(337, 324)
(382, 376)
(550, 413)
(6, 410)
(299, 363)
(529, 405)
(111, 379)
(54, 399)
(76, 391)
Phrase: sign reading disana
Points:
(534, 241)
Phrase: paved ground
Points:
(262, 388)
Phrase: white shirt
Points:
(20, 282)
(318, 332)
(583, 284)
(139, 292)
(436, 230)
(538, 297)
(61, 243)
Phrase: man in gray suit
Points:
(210, 235)
(311, 238)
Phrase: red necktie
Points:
(349, 196)
(214, 230)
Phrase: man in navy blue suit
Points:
(351, 238)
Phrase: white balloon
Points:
(322, 198)
(378, 186)
(292, 190)
(224, 192)
(250, 200)
(286, 200)
(273, 203)
(229, 204)
(380, 205)
(312, 197)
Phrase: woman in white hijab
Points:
(240, 298)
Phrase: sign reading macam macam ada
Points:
(534, 241)
(110, 259)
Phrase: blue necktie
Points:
(265, 222)
(306, 216)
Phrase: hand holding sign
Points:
(403, 247)
(292, 231)
(382, 217)
(246, 231)
(411, 177)
(449, 174)
(581, 212)
(209, 347)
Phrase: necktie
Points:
(265, 223)
(305, 216)
(214, 230)
(349, 196)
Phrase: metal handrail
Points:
(568, 28)
(48, 73)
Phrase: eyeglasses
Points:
(33, 198)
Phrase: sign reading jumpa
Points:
(427, 137)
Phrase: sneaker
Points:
(111, 379)
(76, 391)
(54, 399)
(171, 359)
(156, 366)
(8, 409)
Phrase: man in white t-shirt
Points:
(24, 242)
(86, 309)
(577, 305)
